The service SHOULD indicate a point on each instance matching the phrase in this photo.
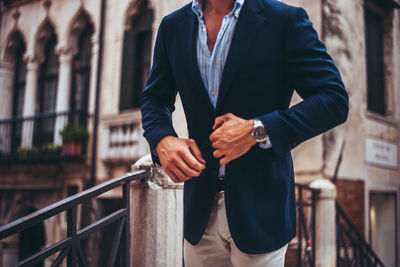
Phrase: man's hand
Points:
(180, 158)
(231, 137)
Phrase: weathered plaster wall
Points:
(343, 32)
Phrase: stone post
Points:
(32, 73)
(325, 224)
(63, 91)
(156, 219)
(6, 101)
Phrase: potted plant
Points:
(74, 138)
(50, 149)
(25, 152)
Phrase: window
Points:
(47, 95)
(18, 94)
(81, 78)
(136, 59)
(376, 14)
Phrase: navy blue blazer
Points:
(274, 51)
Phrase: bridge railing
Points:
(70, 246)
(352, 249)
(306, 215)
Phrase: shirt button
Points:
(204, 29)
(213, 93)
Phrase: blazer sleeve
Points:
(312, 73)
(159, 96)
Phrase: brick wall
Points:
(350, 195)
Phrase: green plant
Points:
(25, 151)
(50, 148)
(74, 132)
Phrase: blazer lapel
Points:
(189, 30)
(246, 30)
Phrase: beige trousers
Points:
(217, 249)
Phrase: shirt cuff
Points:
(267, 144)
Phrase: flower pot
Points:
(72, 148)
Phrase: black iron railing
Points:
(70, 247)
(37, 137)
(352, 249)
(305, 241)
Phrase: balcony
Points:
(36, 139)
(122, 138)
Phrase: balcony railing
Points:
(70, 247)
(122, 136)
(37, 137)
(304, 243)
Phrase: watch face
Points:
(259, 134)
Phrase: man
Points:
(235, 64)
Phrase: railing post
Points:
(157, 225)
(299, 228)
(313, 218)
(325, 230)
(126, 236)
(71, 232)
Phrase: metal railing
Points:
(70, 246)
(305, 245)
(37, 136)
(352, 249)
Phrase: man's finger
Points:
(216, 144)
(218, 153)
(225, 160)
(196, 152)
(172, 176)
(219, 121)
(215, 135)
(187, 170)
(179, 174)
(192, 162)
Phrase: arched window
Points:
(18, 91)
(81, 78)
(47, 94)
(136, 58)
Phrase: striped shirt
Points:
(211, 64)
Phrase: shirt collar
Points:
(197, 7)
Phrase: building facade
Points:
(52, 76)
(361, 156)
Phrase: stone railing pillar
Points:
(156, 219)
(325, 254)
(32, 74)
(63, 91)
(6, 101)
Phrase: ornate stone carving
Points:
(47, 4)
(16, 14)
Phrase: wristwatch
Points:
(259, 132)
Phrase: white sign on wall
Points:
(381, 152)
